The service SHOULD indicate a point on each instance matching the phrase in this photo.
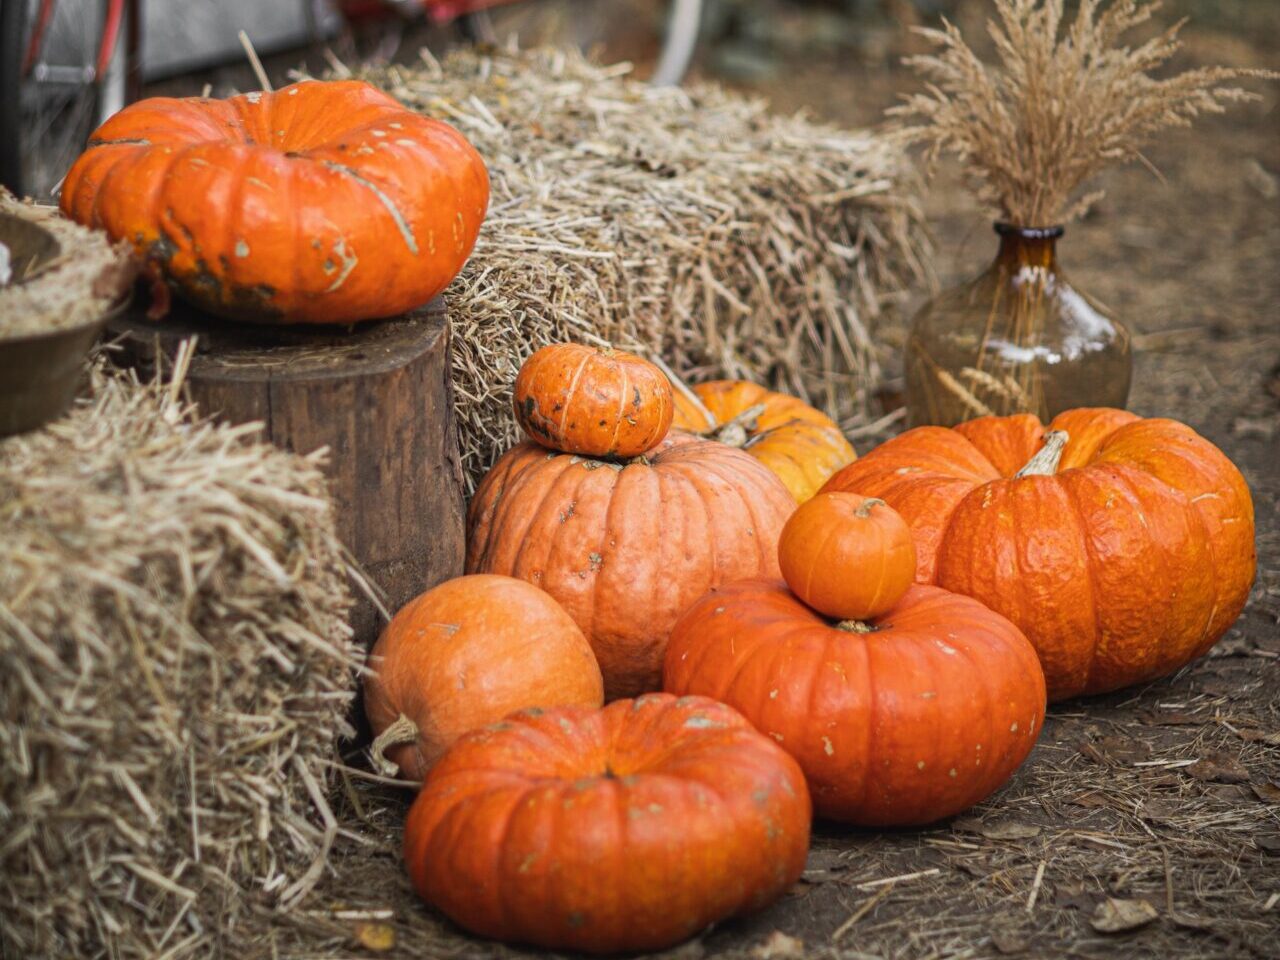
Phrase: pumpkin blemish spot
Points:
(829, 750)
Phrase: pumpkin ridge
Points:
(529, 521)
(623, 394)
(1121, 477)
(573, 485)
(736, 487)
(571, 391)
(1095, 594)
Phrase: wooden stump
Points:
(379, 397)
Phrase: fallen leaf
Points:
(997, 829)
(378, 937)
(1191, 923)
(1157, 809)
(1009, 941)
(1253, 735)
(1117, 916)
(1009, 830)
(1094, 798)
(1219, 767)
(780, 946)
(1268, 845)
(1267, 792)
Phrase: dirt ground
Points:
(1167, 793)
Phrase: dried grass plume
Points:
(1065, 100)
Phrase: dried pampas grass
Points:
(690, 222)
(176, 672)
(1066, 100)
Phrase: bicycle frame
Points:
(113, 18)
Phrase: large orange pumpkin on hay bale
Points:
(465, 654)
(623, 829)
(902, 719)
(803, 446)
(1123, 547)
(626, 547)
(320, 203)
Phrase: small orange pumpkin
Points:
(595, 401)
(803, 446)
(847, 556)
(624, 829)
(1122, 547)
(899, 720)
(319, 203)
(465, 654)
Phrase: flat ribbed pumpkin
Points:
(899, 720)
(595, 401)
(625, 548)
(1123, 547)
(623, 829)
(320, 203)
(803, 446)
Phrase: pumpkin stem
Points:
(402, 730)
(733, 432)
(1045, 462)
(855, 626)
(866, 506)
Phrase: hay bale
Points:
(176, 672)
(687, 221)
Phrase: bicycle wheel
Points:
(52, 94)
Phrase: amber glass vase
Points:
(1018, 339)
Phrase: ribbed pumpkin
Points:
(596, 401)
(623, 829)
(320, 203)
(900, 720)
(1123, 552)
(847, 556)
(465, 654)
(625, 548)
(800, 444)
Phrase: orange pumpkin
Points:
(595, 401)
(901, 720)
(1124, 551)
(320, 203)
(626, 547)
(800, 444)
(847, 556)
(465, 654)
(623, 829)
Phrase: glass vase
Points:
(1018, 339)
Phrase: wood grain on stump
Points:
(378, 396)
